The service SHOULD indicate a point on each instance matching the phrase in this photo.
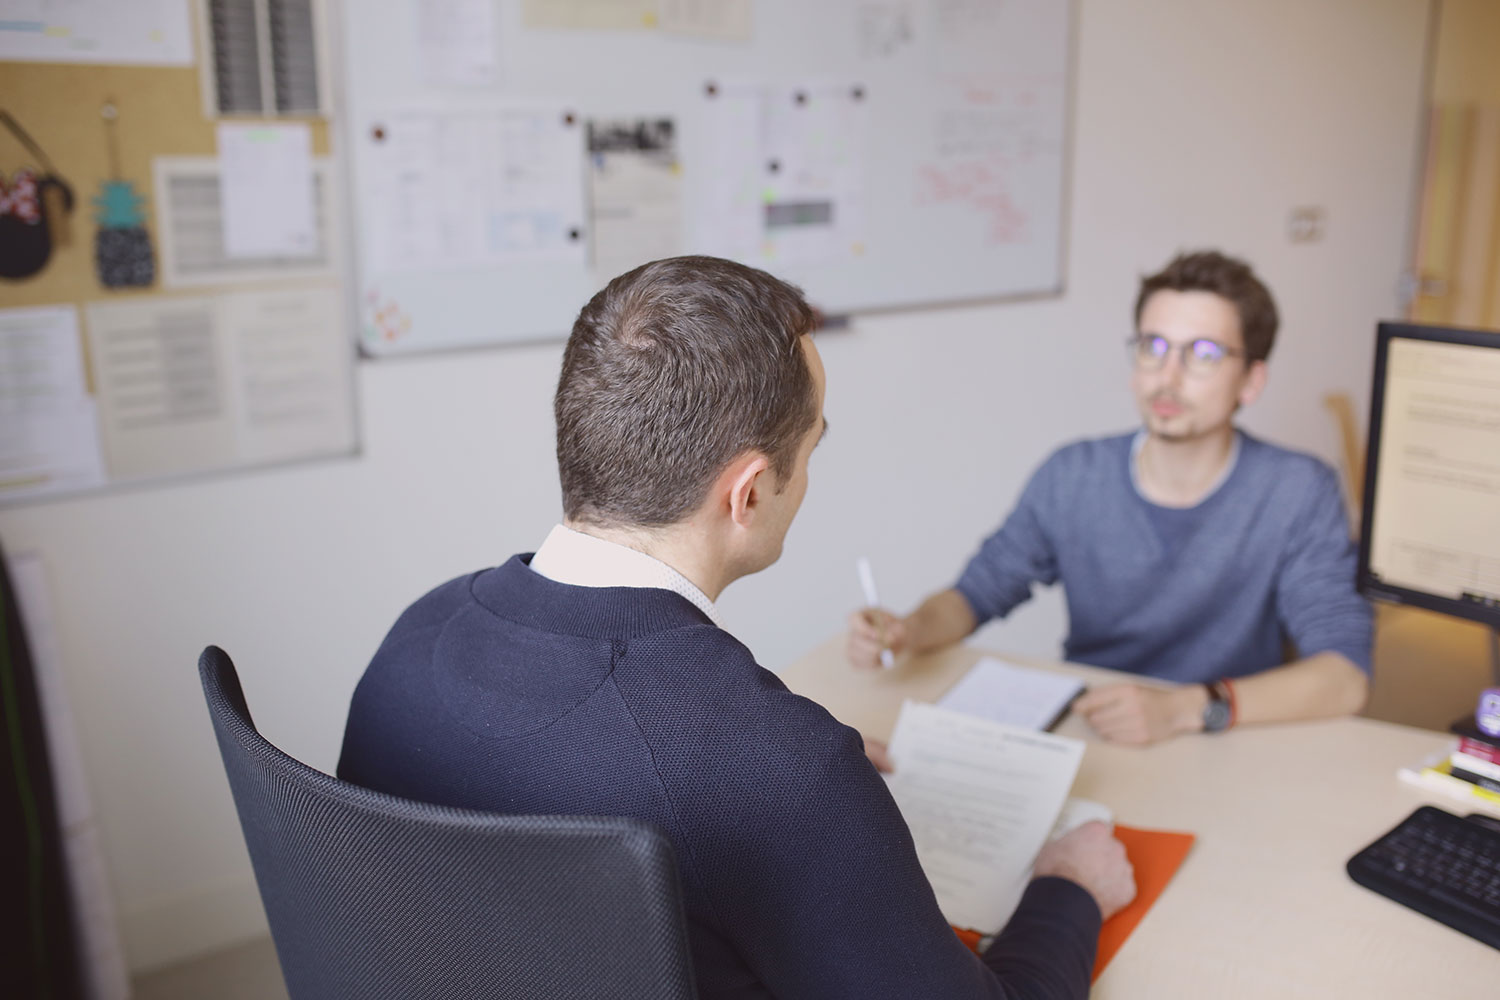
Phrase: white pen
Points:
(872, 599)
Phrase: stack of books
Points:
(1470, 770)
(1477, 757)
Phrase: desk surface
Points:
(1262, 907)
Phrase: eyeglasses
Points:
(1199, 357)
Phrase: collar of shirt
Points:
(579, 560)
(1139, 440)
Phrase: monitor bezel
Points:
(1365, 580)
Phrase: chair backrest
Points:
(372, 896)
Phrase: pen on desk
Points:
(872, 600)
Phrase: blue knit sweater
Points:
(509, 692)
(1266, 561)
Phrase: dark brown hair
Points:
(671, 371)
(1228, 278)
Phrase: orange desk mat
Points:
(1156, 855)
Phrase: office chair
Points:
(371, 896)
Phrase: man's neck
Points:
(677, 545)
(1181, 472)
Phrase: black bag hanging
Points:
(33, 211)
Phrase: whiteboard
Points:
(878, 154)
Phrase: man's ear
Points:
(1255, 383)
(743, 480)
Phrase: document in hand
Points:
(980, 798)
(1020, 696)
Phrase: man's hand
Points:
(1137, 715)
(1092, 857)
(879, 755)
(872, 630)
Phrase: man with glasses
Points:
(1190, 552)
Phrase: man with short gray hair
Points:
(596, 678)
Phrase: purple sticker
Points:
(1488, 715)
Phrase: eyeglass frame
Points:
(1183, 352)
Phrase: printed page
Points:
(49, 426)
(266, 190)
(1017, 696)
(980, 799)
(635, 187)
(1437, 489)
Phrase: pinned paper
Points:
(267, 190)
(458, 42)
(635, 188)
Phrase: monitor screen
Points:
(1430, 531)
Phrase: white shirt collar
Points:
(579, 560)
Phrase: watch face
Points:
(1216, 716)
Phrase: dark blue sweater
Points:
(509, 692)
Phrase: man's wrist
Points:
(1191, 700)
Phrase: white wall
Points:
(1197, 124)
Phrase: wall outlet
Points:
(1305, 224)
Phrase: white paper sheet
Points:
(458, 43)
(784, 178)
(472, 187)
(884, 29)
(635, 193)
(724, 20)
(142, 32)
(590, 15)
(291, 362)
(193, 384)
(980, 799)
(49, 426)
(1018, 696)
(266, 190)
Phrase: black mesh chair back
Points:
(371, 896)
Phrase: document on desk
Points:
(980, 799)
(1020, 696)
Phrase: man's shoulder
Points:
(703, 684)
(1281, 468)
(1087, 458)
(438, 605)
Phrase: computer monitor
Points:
(1430, 531)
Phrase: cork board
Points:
(161, 113)
(237, 371)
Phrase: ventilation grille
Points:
(265, 57)
(192, 229)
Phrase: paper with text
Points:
(209, 382)
(980, 799)
(1018, 696)
(458, 43)
(49, 427)
(266, 190)
(635, 193)
(139, 33)
(453, 187)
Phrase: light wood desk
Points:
(1262, 907)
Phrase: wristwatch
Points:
(1218, 714)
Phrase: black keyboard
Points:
(1442, 865)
